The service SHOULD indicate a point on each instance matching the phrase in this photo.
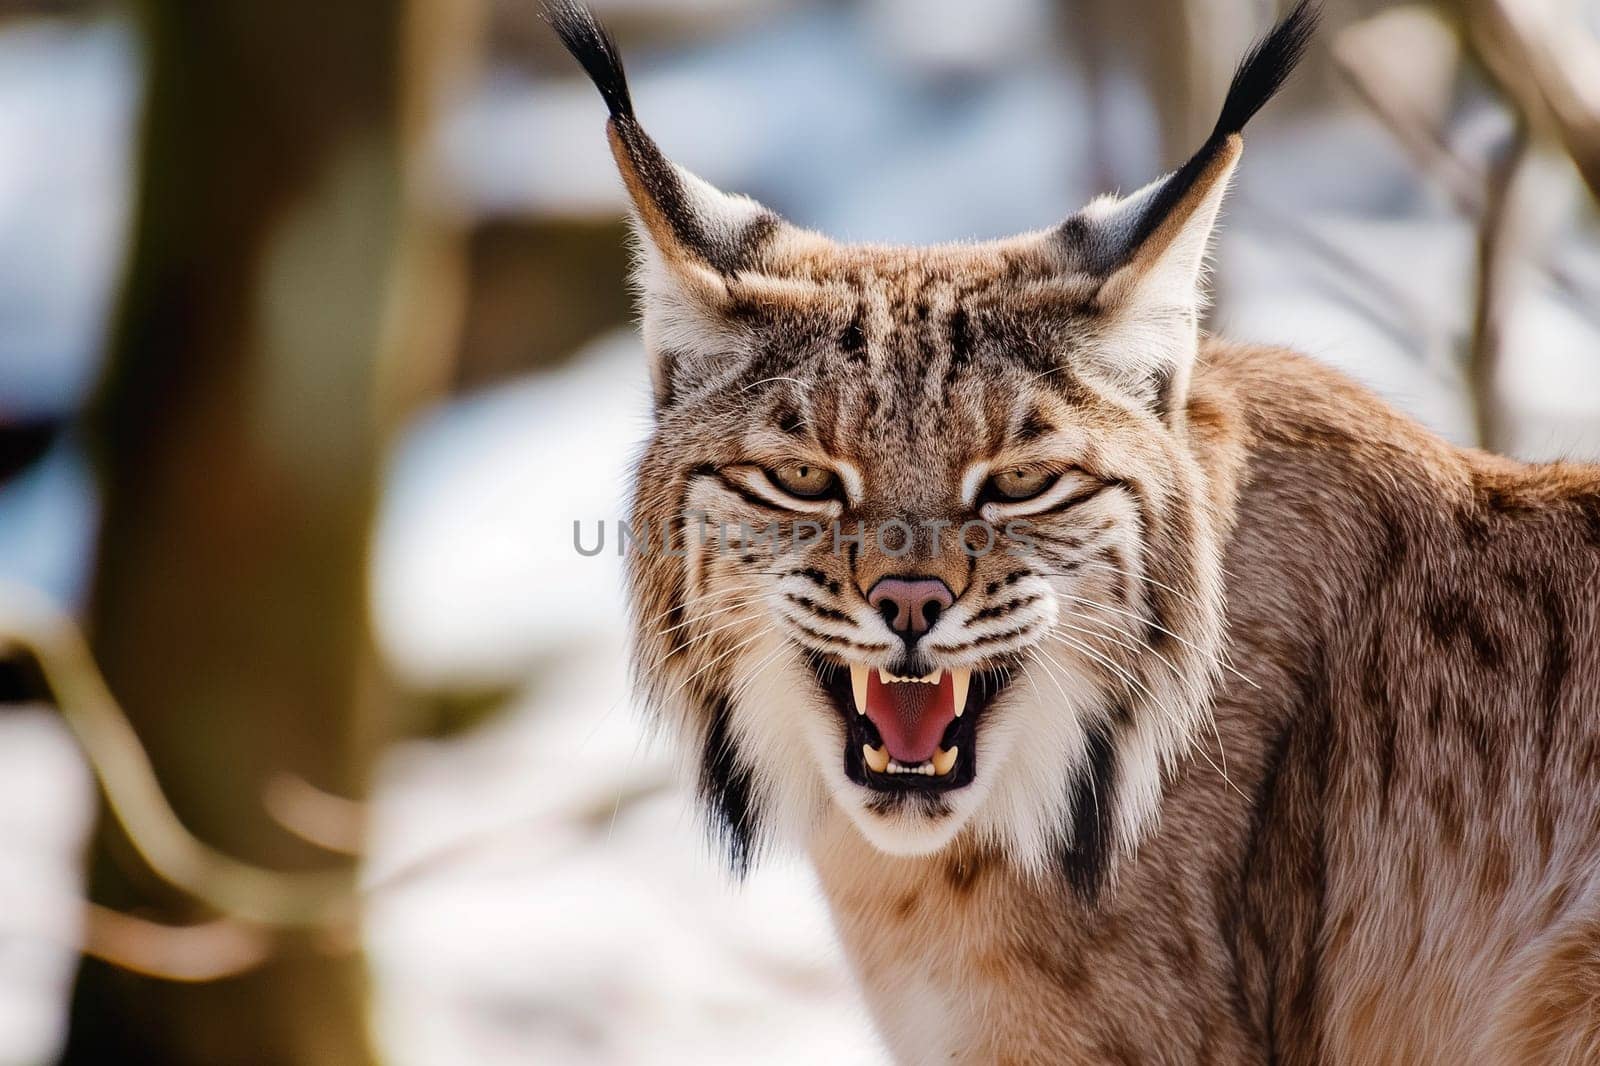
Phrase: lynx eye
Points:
(1019, 484)
(803, 480)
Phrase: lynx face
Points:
(909, 467)
(927, 537)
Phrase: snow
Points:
(68, 94)
(476, 567)
(587, 922)
(46, 811)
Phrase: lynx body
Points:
(1139, 698)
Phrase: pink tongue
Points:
(910, 716)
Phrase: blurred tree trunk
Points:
(286, 302)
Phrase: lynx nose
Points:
(910, 604)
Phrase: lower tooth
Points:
(944, 761)
(876, 758)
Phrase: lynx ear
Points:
(693, 237)
(1147, 250)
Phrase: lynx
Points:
(1139, 697)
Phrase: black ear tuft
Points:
(1262, 72)
(1265, 67)
(593, 47)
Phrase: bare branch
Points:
(333, 823)
(259, 907)
(1402, 64)
(1542, 56)
(1519, 222)
(1499, 246)
(209, 951)
(233, 888)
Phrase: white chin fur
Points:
(904, 831)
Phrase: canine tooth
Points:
(958, 685)
(876, 758)
(859, 676)
(943, 760)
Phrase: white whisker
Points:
(737, 647)
(1171, 717)
(1161, 628)
(806, 386)
(1144, 648)
(702, 616)
(1188, 597)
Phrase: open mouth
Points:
(910, 733)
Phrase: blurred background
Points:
(315, 743)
